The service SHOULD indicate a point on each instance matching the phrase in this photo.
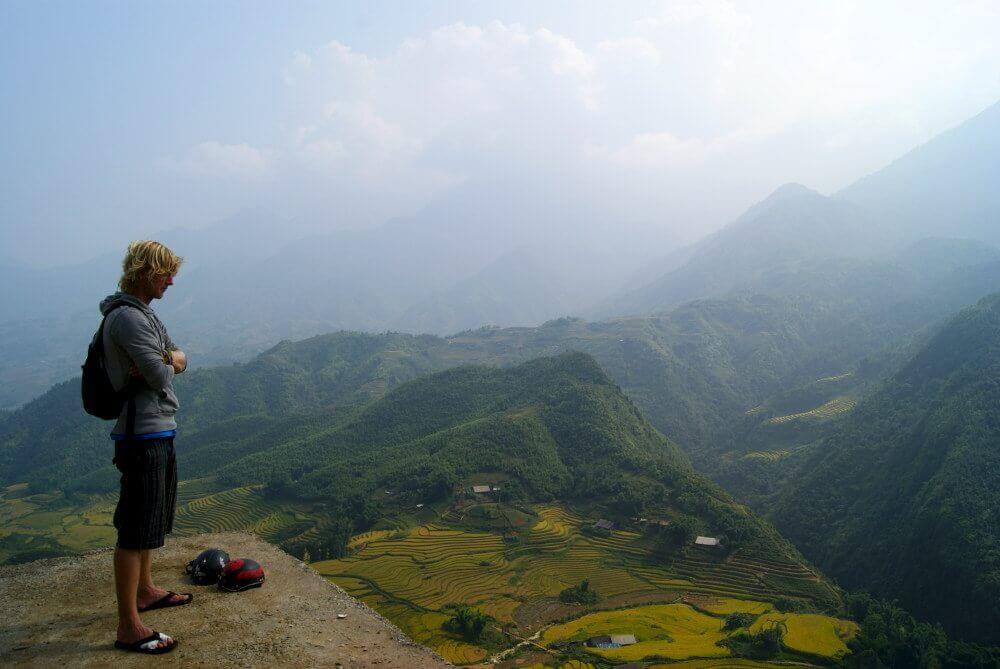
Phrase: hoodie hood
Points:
(127, 298)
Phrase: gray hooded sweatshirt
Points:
(133, 334)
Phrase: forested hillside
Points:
(692, 371)
(902, 499)
(552, 429)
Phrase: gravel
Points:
(62, 612)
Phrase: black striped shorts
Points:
(145, 511)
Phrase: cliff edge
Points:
(61, 612)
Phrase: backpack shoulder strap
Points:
(131, 388)
(100, 329)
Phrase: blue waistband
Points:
(149, 435)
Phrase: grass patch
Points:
(674, 631)
(811, 633)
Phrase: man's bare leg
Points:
(148, 592)
(128, 565)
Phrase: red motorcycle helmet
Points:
(241, 574)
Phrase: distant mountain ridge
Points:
(943, 189)
(792, 227)
(459, 262)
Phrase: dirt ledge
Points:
(61, 612)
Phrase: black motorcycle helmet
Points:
(208, 567)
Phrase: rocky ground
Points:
(62, 613)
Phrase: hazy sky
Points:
(118, 119)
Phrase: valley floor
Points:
(415, 576)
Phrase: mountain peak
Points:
(790, 190)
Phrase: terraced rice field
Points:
(239, 509)
(727, 663)
(725, 606)
(674, 631)
(42, 525)
(409, 575)
(768, 456)
(811, 634)
(679, 632)
(835, 407)
(60, 527)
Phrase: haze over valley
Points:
(661, 335)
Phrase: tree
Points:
(468, 622)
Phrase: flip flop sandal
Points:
(148, 646)
(165, 603)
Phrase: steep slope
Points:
(947, 187)
(548, 425)
(902, 499)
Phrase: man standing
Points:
(140, 354)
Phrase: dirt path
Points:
(62, 613)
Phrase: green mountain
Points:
(687, 371)
(901, 499)
(552, 430)
(692, 371)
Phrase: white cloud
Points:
(214, 159)
(631, 49)
(701, 91)
(660, 150)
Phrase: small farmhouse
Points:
(481, 489)
(603, 524)
(611, 641)
(706, 541)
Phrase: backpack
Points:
(100, 397)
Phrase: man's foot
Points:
(151, 645)
(158, 598)
(128, 636)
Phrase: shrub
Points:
(737, 620)
(579, 594)
(763, 644)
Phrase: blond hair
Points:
(146, 261)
